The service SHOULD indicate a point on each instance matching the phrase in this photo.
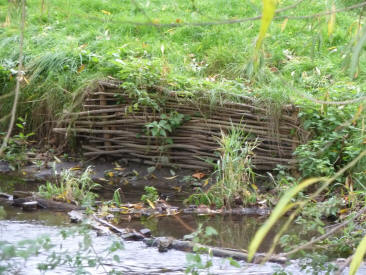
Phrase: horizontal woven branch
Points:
(107, 125)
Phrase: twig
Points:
(19, 79)
(344, 265)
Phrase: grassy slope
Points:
(74, 41)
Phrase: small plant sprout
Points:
(151, 196)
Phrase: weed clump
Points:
(71, 188)
(234, 173)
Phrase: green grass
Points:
(73, 40)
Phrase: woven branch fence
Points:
(112, 122)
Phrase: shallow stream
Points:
(135, 257)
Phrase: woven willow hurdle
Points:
(109, 125)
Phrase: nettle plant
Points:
(336, 142)
(165, 126)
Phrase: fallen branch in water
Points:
(164, 243)
(188, 246)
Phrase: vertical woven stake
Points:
(103, 102)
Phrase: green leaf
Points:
(162, 132)
(234, 263)
(167, 127)
(116, 258)
(151, 169)
(210, 231)
(358, 256)
(154, 132)
(92, 262)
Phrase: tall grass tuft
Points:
(235, 169)
(234, 173)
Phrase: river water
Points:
(135, 257)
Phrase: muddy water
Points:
(136, 258)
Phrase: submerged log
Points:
(46, 204)
(6, 196)
(164, 243)
(30, 206)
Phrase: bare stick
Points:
(19, 80)
(343, 266)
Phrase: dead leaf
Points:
(57, 159)
(75, 168)
(198, 175)
(178, 188)
(151, 204)
(106, 12)
(119, 168)
(343, 211)
(81, 68)
(137, 206)
(284, 24)
(170, 178)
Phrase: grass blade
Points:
(356, 53)
(269, 8)
(358, 256)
